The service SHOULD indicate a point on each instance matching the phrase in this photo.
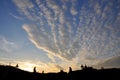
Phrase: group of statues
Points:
(70, 69)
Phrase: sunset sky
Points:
(56, 34)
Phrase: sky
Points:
(58, 34)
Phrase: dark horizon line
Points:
(61, 70)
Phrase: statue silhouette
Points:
(17, 66)
(43, 71)
(70, 69)
(34, 70)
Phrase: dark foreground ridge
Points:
(87, 73)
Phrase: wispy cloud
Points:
(16, 17)
(93, 27)
(6, 45)
(109, 63)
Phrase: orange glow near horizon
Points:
(27, 66)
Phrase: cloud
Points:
(6, 45)
(25, 7)
(16, 17)
(73, 7)
(112, 62)
(65, 31)
(73, 12)
(59, 67)
(41, 42)
(52, 57)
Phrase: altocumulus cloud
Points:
(64, 30)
